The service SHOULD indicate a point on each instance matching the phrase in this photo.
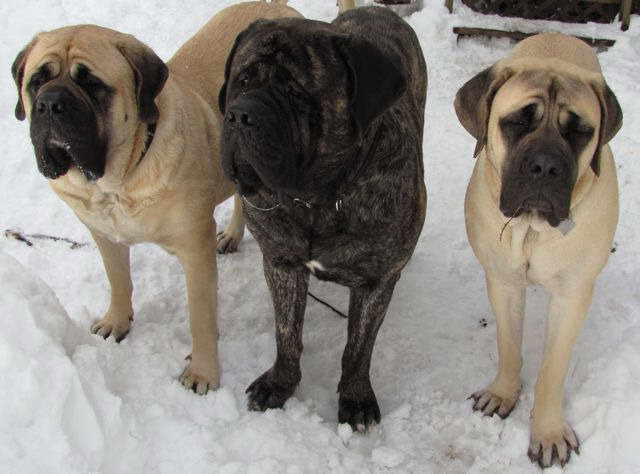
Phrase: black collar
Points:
(291, 202)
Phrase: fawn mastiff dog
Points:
(131, 144)
(541, 208)
(323, 135)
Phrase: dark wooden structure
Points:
(571, 11)
(519, 35)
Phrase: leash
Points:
(337, 311)
(27, 238)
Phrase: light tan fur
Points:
(343, 5)
(168, 197)
(530, 251)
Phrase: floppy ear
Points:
(222, 95)
(377, 80)
(17, 71)
(610, 121)
(150, 74)
(473, 103)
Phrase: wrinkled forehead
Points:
(61, 49)
(549, 91)
(305, 48)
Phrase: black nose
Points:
(51, 102)
(241, 116)
(542, 165)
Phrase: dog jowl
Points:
(323, 136)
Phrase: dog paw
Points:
(110, 325)
(360, 414)
(266, 393)
(553, 445)
(228, 241)
(489, 403)
(195, 379)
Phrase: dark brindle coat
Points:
(323, 134)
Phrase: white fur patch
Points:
(314, 265)
(58, 143)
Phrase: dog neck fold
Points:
(151, 131)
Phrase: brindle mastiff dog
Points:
(541, 208)
(323, 135)
(132, 146)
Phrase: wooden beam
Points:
(519, 35)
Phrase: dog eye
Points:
(90, 83)
(518, 124)
(38, 79)
(81, 73)
(83, 77)
(243, 81)
(520, 121)
(297, 93)
(293, 90)
(576, 125)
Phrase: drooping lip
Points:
(55, 158)
(55, 143)
(248, 175)
(541, 205)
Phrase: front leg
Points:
(117, 320)
(367, 308)
(198, 258)
(552, 439)
(288, 286)
(507, 301)
(229, 238)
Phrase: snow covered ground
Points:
(73, 403)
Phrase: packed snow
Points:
(74, 403)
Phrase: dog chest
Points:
(327, 246)
(119, 219)
(529, 256)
